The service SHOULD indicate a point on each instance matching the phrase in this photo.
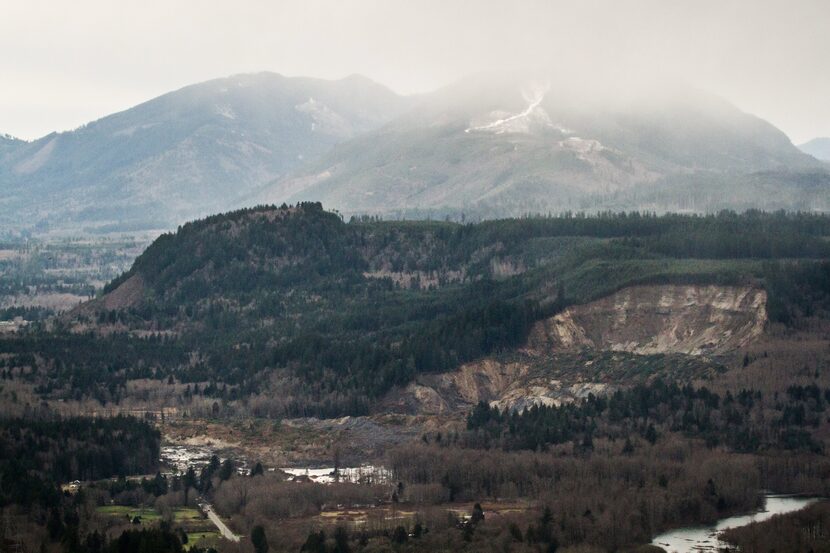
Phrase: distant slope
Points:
(819, 148)
(9, 143)
(197, 150)
(8, 146)
(488, 146)
(499, 146)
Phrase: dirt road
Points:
(214, 518)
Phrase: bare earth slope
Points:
(628, 337)
(694, 320)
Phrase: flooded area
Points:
(701, 539)
(366, 474)
(178, 457)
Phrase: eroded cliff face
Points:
(628, 337)
(445, 393)
(694, 320)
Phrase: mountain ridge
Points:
(516, 147)
(193, 151)
(486, 146)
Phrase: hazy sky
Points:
(64, 63)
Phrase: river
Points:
(702, 539)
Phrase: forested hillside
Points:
(40, 454)
(345, 311)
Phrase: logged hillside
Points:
(335, 314)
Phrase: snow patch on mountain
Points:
(129, 131)
(582, 145)
(225, 111)
(500, 122)
(324, 119)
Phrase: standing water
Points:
(700, 539)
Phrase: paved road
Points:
(214, 518)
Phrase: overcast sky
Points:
(64, 63)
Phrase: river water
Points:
(702, 539)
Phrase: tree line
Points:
(746, 423)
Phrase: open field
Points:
(147, 514)
(196, 538)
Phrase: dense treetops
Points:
(37, 452)
(647, 410)
(312, 242)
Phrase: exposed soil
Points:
(629, 337)
(302, 442)
(694, 320)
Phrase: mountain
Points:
(496, 144)
(198, 150)
(819, 148)
(490, 145)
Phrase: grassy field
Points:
(187, 514)
(147, 514)
(193, 538)
(181, 515)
